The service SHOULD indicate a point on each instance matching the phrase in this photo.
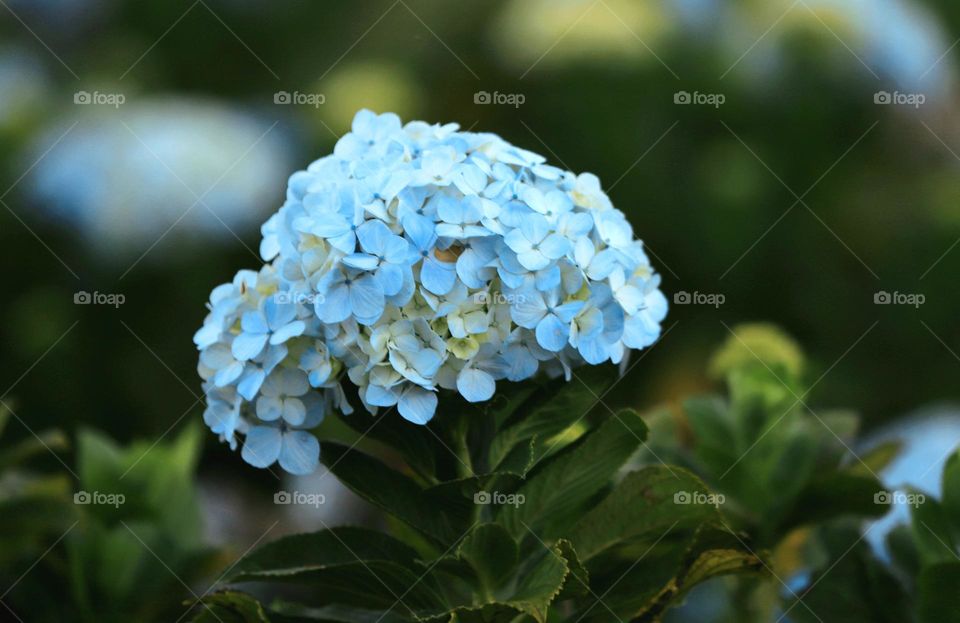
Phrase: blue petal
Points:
(329, 225)
(535, 228)
(528, 308)
(548, 278)
(247, 346)
(475, 385)
(552, 334)
(521, 363)
(417, 405)
(278, 314)
(254, 322)
(361, 261)
(373, 236)
(269, 408)
(567, 311)
(300, 452)
(420, 231)
(335, 304)
(390, 278)
(284, 333)
(366, 297)
(262, 446)
(251, 382)
(228, 375)
(437, 277)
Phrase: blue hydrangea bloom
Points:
(418, 258)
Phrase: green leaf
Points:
(442, 513)
(751, 342)
(835, 494)
(45, 441)
(335, 614)
(578, 580)
(937, 593)
(877, 459)
(951, 489)
(716, 444)
(556, 495)
(699, 566)
(229, 607)
(933, 533)
(487, 579)
(644, 506)
(492, 553)
(552, 409)
(541, 579)
(852, 586)
(418, 446)
(299, 553)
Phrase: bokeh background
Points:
(789, 161)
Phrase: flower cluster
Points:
(413, 259)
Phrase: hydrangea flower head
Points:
(418, 259)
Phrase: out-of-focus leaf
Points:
(751, 342)
(852, 587)
(951, 491)
(877, 459)
(933, 532)
(937, 593)
(835, 494)
(45, 441)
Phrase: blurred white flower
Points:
(126, 175)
